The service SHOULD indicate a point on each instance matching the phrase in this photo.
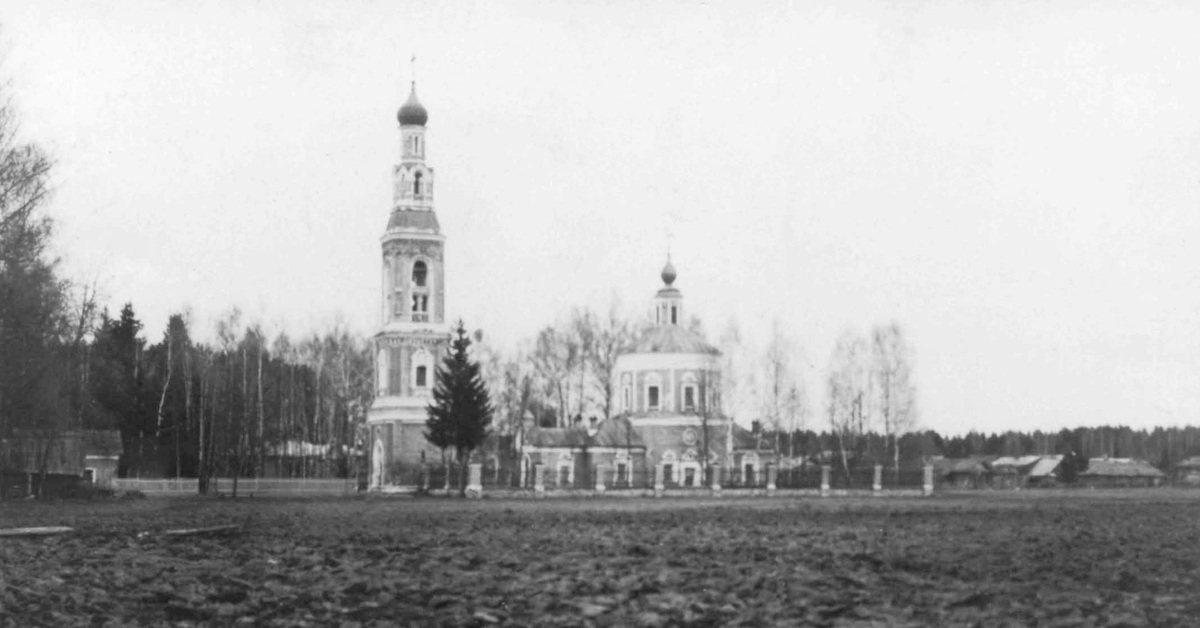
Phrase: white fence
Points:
(245, 486)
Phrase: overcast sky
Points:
(1016, 184)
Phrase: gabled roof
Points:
(1121, 467)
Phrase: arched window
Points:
(417, 184)
(421, 377)
(420, 272)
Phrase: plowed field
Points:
(991, 559)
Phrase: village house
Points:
(1120, 473)
(962, 473)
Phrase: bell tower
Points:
(413, 336)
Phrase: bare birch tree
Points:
(849, 395)
(891, 365)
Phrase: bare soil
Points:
(1066, 558)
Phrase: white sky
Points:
(1017, 185)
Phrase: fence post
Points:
(825, 480)
(539, 480)
(474, 480)
(716, 479)
(772, 470)
(878, 484)
(659, 485)
(601, 471)
(927, 489)
(425, 478)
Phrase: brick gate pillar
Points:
(927, 489)
(772, 471)
(825, 480)
(659, 480)
(716, 478)
(475, 480)
(877, 485)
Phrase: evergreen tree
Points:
(461, 410)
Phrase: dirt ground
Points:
(1082, 558)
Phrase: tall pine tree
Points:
(462, 409)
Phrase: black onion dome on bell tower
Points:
(412, 112)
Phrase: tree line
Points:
(250, 399)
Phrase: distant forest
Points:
(1161, 447)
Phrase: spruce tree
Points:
(461, 410)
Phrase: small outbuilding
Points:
(961, 473)
(1187, 472)
(101, 452)
(1120, 473)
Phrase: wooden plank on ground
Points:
(38, 531)
(199, 531)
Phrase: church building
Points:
(413, 334)
(668, 384)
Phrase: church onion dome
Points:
(413, 220)
(412, 112)
(672, 339)
(668, 273)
